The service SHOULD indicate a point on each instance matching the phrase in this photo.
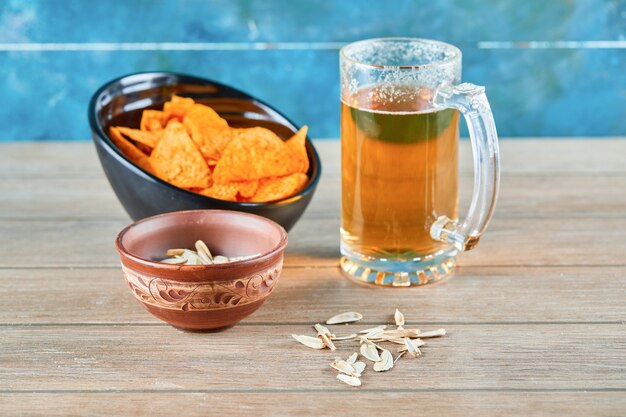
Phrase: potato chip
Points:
(252, 154)
(152, 120)
(297, 145)
(247, 189)
(177, 107)
(226, 192)
(232, 191)
(149, 139)
(277, 188)
(208, 130)
(177, 160)
(129, 150)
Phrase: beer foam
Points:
(391, 62)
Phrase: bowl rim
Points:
(284, 238)
(113, 150)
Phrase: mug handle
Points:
(472, 102)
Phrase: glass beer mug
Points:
(400, 105)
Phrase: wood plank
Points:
(520, 156)
(315, 242)
(477, 357)
(271, 404)
(527, 197)
(473, 295)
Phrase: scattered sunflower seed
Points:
(369, 351)
(375, 333)
(383, 327)
(385, 363)
(411, 348)
(339, 338)
(399, 333)
(399, 318)
(325, 335)
(433, 333)
(359, 367)
(323, 330)
(350, 370)
(350, 380)
(348, 317)
(308, 341)
(343, 366)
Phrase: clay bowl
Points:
(201, 297)
(120, 103)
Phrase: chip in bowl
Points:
(190, 146)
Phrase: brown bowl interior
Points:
(225, 233)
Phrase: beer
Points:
(399, 172)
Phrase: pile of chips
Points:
(190, 146)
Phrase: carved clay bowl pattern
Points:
(202, 296)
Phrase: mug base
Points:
(386, 273)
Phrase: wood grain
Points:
(536, 314)
(281, 403)
(483, 357)
(309, 295)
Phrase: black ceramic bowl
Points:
(121, 102)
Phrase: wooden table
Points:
(536, 315)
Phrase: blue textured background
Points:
(570, 80)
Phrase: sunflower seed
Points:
(177, 260)
(343, 366)
(399, 318)
(383, 327)
(397, 341)
(385, 363)
(244, 258)
(433, 333)
(202, 248)
(369, 351)
(219, 259)
(325, 334)
(175, 252)
(352, 358)
(204, 259)
(323, 330)
(359, 367)
(411, 348)
(416, 342)
(308, 341)
(375, 333)
(399, 333)
(338, 338)
(350, 380)
(348, 317)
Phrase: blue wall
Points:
(569, 81)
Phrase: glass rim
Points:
(451, 60)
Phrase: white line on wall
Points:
(553, 45)
(264, 46)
